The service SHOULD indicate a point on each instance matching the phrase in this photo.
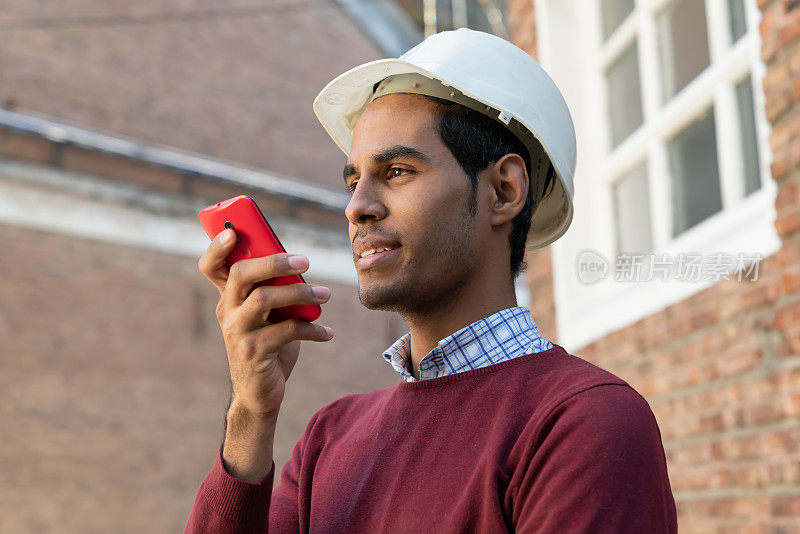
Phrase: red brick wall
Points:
(233, 79)
(721, 369)
(115, 382)
(115, 379)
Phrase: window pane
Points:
(695, 176)
(632, 211)
(483, 15)
(444, 15)
(487, 16)
(736, 19)
(747, 126)
(614, 12)
(624, 97)
(683, 44)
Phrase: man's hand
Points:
(261, 355)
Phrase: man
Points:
(452, 148)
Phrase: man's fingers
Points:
(296, 329)
(262, 300)
(211, 263)
(244, 274)
(270, 339)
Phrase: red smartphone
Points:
(255, 239)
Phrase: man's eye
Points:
(394, 172)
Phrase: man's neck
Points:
(465, 309)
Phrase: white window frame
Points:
(577, 61)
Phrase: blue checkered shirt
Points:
(499, 337)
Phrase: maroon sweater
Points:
(541, 443)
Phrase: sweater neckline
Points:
(457, 351)
(480, 371)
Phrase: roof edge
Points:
(62, 132)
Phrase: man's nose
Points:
(366, 203)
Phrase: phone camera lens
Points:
(228, 224)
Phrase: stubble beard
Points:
(410, 292)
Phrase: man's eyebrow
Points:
(399, 151)
(389, 154)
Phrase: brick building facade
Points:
(231, 80)
(721, 369)
(114, 374)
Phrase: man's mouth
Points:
(373, 251)
(375, 257)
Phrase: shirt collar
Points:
(500, 336)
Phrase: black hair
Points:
(476, 141)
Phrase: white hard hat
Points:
(485, 73)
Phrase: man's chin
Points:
(380, 299)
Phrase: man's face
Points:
(412, 194)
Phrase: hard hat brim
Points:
(340, 103)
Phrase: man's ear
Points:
(508, 181)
